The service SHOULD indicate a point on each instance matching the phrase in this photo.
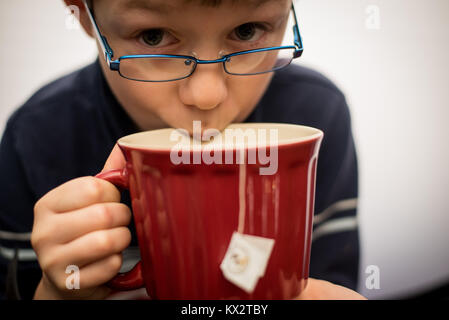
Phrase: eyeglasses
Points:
(168, 67)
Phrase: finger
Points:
(324, 290)
(100, 272)
(76, 194)
(99, 216)
(92, 247)
(88, 281)
(116, 160)
(343, 293)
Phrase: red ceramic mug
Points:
(189, 200)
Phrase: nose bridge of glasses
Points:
(221, 60)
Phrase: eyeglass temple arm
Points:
(297, 35)
(108, 53)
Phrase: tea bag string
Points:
(242, 188)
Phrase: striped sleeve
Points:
(335, 239)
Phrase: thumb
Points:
(116, 160)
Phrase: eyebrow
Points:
(155, 6)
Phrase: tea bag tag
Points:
(246, 260)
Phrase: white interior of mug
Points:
(235, 135)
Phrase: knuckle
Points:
(47, 263)
(93, 189)
(41, 236)
(105, 215)
(104, 242)
(35, 240)
(38, 206)
(41, 207)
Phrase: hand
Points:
(324, 290)
(81, 223)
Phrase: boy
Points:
(67, 129)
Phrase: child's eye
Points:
(157, 38)
(248, 32)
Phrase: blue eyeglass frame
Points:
(114, 65)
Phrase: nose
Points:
(206, 88)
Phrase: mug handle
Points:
(132, 279)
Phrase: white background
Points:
(395, 78)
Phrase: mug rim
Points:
(312, 135)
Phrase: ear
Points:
(83, 17)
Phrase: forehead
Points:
(167, 5)
(191, 13)
(219, 2)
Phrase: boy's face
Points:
(190, 28)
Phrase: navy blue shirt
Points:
(68, 128)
